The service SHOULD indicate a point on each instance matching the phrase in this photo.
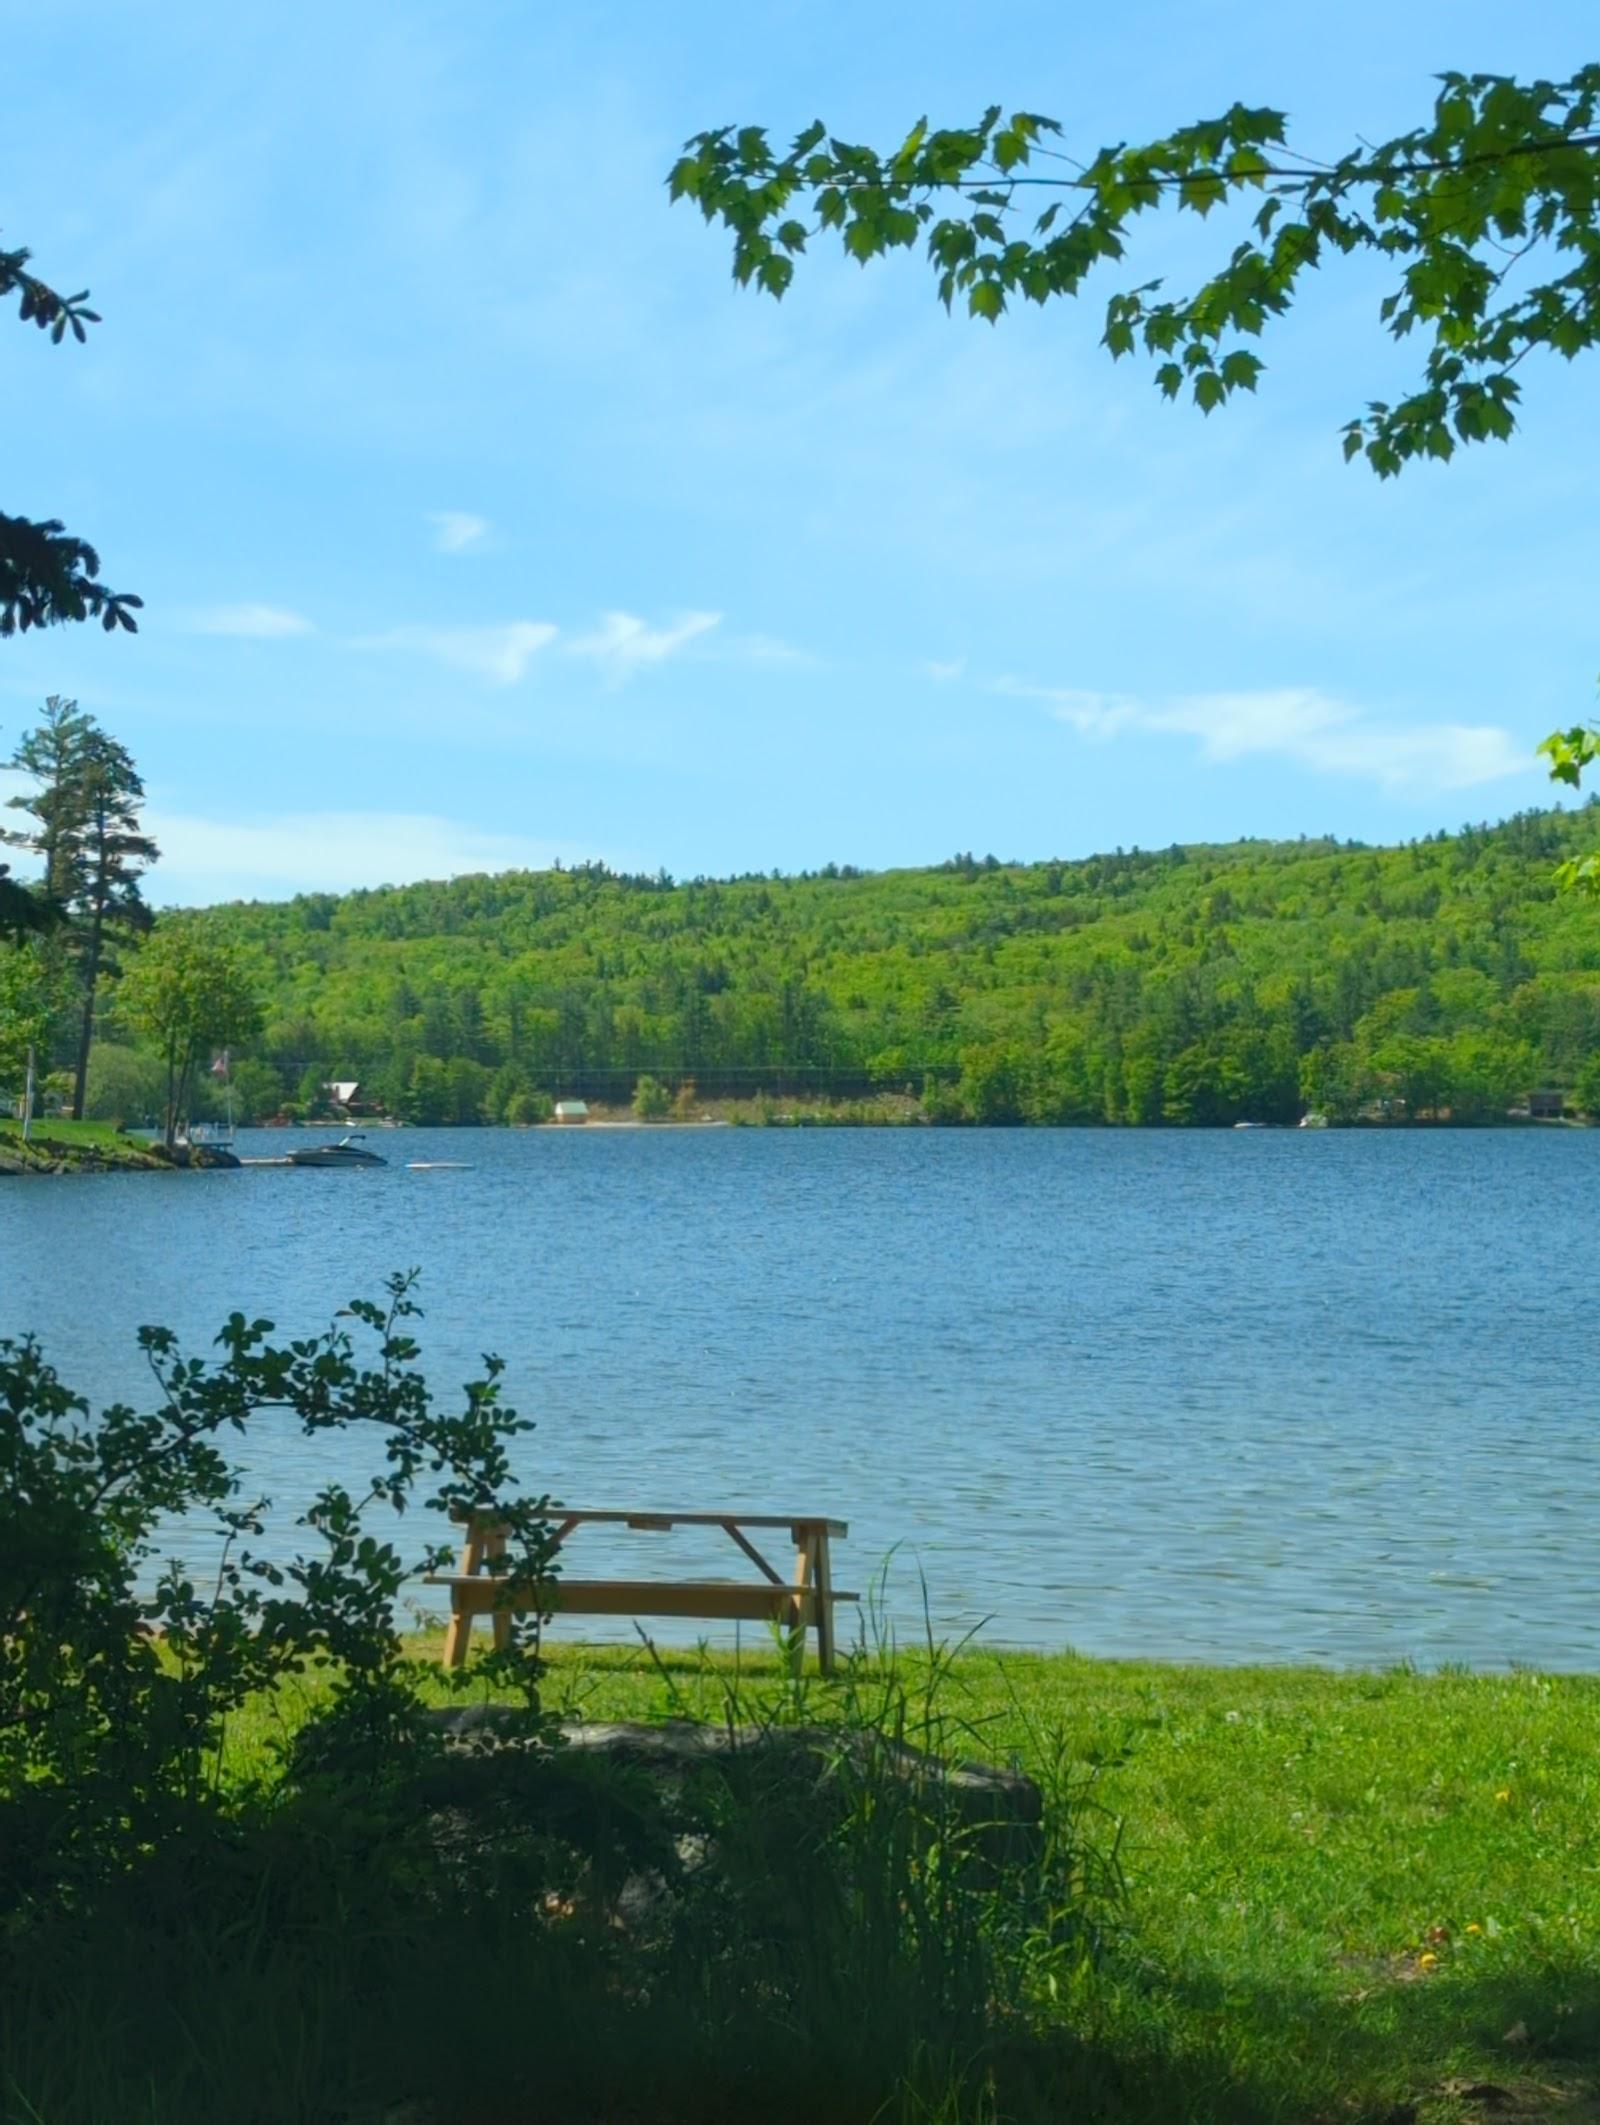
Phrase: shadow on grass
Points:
(562, 1950)
(262, 1988)
(1391, 2048)
(469, 2023)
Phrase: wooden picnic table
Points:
(802, 1601)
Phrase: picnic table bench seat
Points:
(802, 1603)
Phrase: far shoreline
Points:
(58, 1148)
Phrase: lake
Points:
(1259, 1396)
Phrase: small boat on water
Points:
(346, 1152)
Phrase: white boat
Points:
(346, 1152)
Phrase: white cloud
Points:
(206, 859)
(943, 674)
(454, 530)
(622, 645)
(256, 623)
(625, 644)
(1304, 726)
(500, 654)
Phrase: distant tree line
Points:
(1181, 987)
(1184, 987)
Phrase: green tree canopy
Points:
(188, 992)
(30, 999)
(1181, 986)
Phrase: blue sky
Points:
(481, 521)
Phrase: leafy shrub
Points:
(118, 1671)
(525, 1108)
(780, 1932)
(942, 1103)
(184, 1940)
(652, 1102)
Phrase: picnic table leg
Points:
(459, 1628)
(496, 1547)
(805, 1558)
(824, 1578)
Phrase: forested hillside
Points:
(1190, 985)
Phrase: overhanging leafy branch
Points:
(1502, 169)
(47, 576)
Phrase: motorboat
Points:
(346, 1152)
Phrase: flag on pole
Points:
(220, 1067)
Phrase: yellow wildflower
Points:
(1474, 1927)
(1427, 1961)
(1504, 1793)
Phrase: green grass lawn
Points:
(1350, 1895)
(66, 1132)
(1349, 1899)
(101, 1136)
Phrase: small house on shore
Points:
(1546, 1105)
(572, 1110)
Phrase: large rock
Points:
(1000, 1809)
(741, 1834)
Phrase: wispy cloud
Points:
(499, 654)
(207, 859)
(1299, 724)
(625, 644)
(943, 674)
(1091, 715)
(621, 646)
(454, 530)
(1302, 725)
(255, 623)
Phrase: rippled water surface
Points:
(1256, 1396)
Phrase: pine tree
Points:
(53, 755)
(84, 805)
(113, 856)
(22, 914)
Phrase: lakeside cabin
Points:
(572, 1110)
